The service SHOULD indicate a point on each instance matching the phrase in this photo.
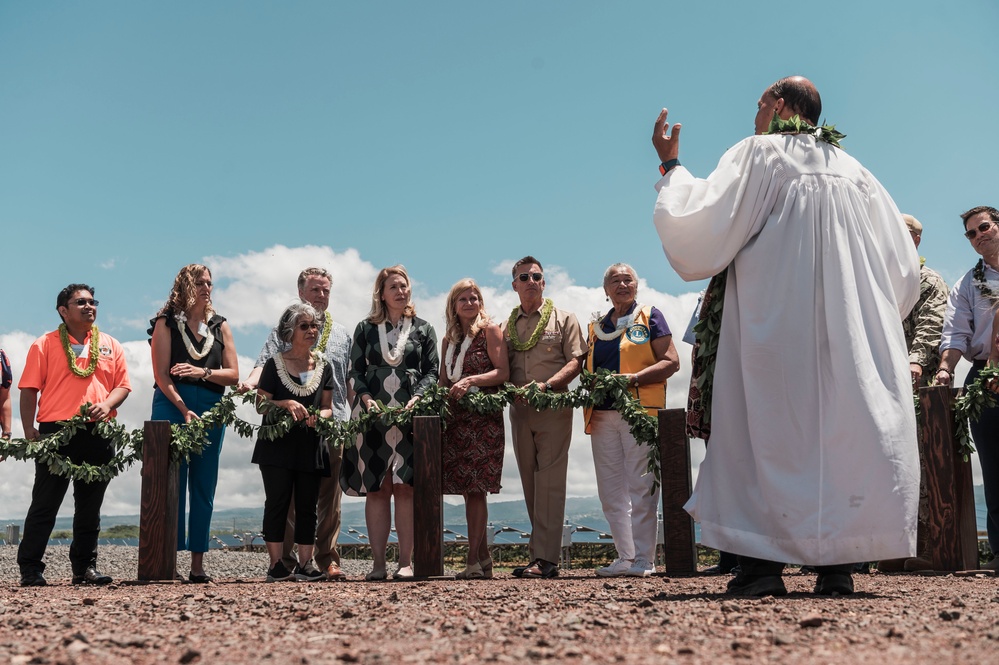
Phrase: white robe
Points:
(813, 455)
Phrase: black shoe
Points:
(199, 579)
(541, 569)
(309, 573)
(834, 584)
(92, 576)
(34, 578)
(278, 573)
(519, 571)
(756, 585)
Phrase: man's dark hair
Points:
(800, 95)
(993, 213)
(62, 300)
(526, 260)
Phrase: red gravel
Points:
(576, 618)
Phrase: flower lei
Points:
(95, 341)
(978, 275)
(795, 125)
(511, 327)
(454, 372)
(209, 340)
(295, 389)
(394, 355)
(598, 329)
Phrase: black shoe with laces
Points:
(309, 573)
(92, 576)
(33, 578)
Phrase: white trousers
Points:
(624, 486)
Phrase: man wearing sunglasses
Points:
(314, 288)
(968, 332)
(813, 454)
(546, 348)
(67, 369)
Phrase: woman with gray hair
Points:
(296, 381)
(632, 340)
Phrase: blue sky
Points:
(453, 137)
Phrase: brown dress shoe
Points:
(333, 572)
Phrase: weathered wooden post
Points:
(951, 532)
(674, 453)
(158, 512)
(428, 516)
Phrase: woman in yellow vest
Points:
(633, 340)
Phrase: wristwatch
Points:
(208, 373)
(665, 167)
(634, 380)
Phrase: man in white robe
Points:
(813, 455)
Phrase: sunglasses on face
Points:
(536, 276)
(80, 302)
(982, 228)
(305, 327)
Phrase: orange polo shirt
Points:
(62, 393)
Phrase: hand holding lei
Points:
(511, 327)
(95, 340)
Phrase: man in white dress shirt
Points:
(813, 455)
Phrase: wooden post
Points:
(678, 526)
(950, 521)
(428, 516)
(158, 512)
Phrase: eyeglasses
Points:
(308, 326)
(982, 228)
(536, 276)
(80, 302)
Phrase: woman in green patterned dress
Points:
(393, 360)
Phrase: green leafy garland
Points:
(969, 406)
(95, 348)
(511, 327)
(708, 331)
(978, 275)
(191, 438)
(325, 336)
(795, 125)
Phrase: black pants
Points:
(279, 487)
(46, 498)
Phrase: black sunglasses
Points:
(80, 302)
(308, 326)
(982, 228)
(536, 276)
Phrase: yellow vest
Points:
(636, 354)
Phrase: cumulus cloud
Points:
(251, 291)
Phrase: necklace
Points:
(95, 340)
(209, 340)
(325, 336)
(598, 328)
(978, 276)
(454, 372)
(511, 327)
(795, 125)
(294, 388)
(394, 355)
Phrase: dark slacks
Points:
(985, 432)
(46, 498)
(281, 487)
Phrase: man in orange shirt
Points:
(66, 369)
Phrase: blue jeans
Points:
(985, 432)
(201, 473)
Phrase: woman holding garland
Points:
(393, 360)
(194, 359)
(634, 341)
(294, 381)
(475, 358)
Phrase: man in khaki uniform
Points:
(546, 347)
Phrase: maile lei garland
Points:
(511, 327)
(978, 275)
(795, 125)
(95, 349)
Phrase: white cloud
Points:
(251, 291)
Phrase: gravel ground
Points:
(576, 618)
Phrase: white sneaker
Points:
(641, 568)
(619, 568)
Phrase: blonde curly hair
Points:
(453, 330)
(184, 292)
